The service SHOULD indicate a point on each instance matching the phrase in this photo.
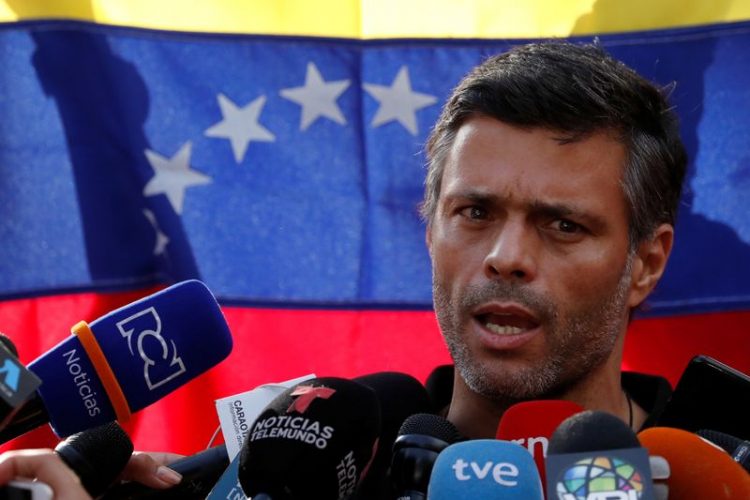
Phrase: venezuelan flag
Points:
(273, 149)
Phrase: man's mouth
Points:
(507, 324)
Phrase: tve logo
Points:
(161, 362)
(484, 468)
(503, 473)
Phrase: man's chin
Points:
(510, 383)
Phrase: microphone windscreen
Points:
(738, 449)
(485, 468)
(697, 468)
(97, 455)
(531, 424)
(429, 425)
(400, 396)
(594, 454)
(420, 439)
(591, 431)
(151, 347)
(315, 440)
(439, 385)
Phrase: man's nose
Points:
(512, 255)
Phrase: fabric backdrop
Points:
(273, 149)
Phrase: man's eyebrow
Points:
(555, 210)
(479, 197)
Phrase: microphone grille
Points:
(591, 431)
(97, 455)
(428, 424)
(725, 441)
(9, 345)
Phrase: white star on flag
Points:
(240, 125)
(173, 176)
(161, 239)
(317, 97)
(398, 102)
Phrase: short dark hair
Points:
(576, 90)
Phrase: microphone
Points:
(485, 468)
(125, 360)
(400, 396)
(594, 455)
(531, 424)
(97, 455)
(421, 438)
(737, 448)
(17, 383)
(697, 469)
(315, 440)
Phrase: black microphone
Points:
(125, 360)
(737, 448)
(8, 344)
(594, 454)
(199, 474)
(421, 438)
(17, 383)
(400, 396)
(97, 455)
(314, 440)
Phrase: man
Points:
(554, 178)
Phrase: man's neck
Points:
(477, 417)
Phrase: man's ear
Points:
(649, 263)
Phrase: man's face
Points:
(531, 265)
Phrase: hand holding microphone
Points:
(125, 361)
(44, 466)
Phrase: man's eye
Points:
(474, 213)
(566, 226)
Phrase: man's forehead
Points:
(496, 161)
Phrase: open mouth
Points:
(507, 323)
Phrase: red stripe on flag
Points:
(275, 345)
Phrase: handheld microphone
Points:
(315, 440)
(531, 424)
(97, 455)
(737, 448)
(125, 361)
(17, 383)
(595, 455)
(697, 469)
(400, 396)
(485, 468)
(420, 440)
(8, 344)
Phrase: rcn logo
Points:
(600, 478)
(161, 363)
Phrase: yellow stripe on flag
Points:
(389, 18)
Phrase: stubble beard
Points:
(577, 340)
